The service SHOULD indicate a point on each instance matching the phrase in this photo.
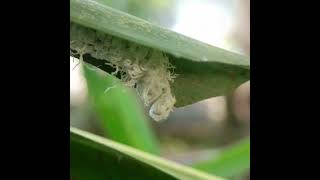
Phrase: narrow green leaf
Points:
(231, 162)
(119, 112)
(97, 15)
(203, 70)
(96, 158)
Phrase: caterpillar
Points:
(145, 69)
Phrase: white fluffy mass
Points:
(145, 69)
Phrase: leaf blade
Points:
(213, 71)
(168, 167)
(119, 112)
(96, 15)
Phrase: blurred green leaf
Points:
(229, 162)
(119, 111)
(203, 71)
(96, 158)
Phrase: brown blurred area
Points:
(241, 33)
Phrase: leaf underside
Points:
(203, 70)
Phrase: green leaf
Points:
(96, 158)
(203, 70)
(119, 111)
(230, 162)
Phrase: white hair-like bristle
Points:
(141, 67)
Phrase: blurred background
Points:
(194, 132)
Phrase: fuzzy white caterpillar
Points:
(143, 68)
